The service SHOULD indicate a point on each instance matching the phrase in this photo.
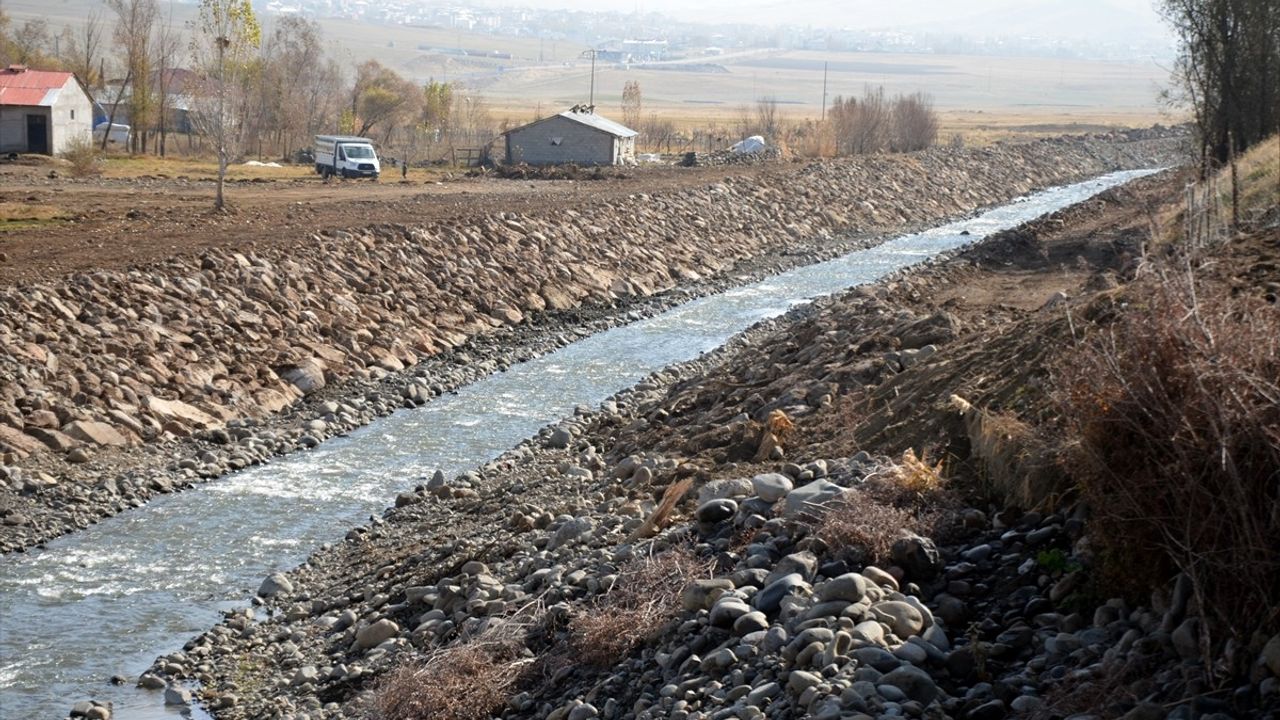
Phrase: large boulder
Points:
(180, 412)
(377, 633)
(307, 376)
(918, 556)
(95, 433)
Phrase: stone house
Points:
(576, 136)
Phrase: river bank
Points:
(123, 385)
(742, 535)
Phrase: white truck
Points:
(346, 157)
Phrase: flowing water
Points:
(107, 600)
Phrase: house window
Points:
(73, 114)
(557, 140)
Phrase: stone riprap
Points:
(93, 365)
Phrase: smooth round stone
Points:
(716, 511)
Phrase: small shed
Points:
(42, 111)
(577, 136)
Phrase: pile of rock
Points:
(725, 158)
(110, 359)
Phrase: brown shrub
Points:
(1177, 411)
(861, 522)
(904, 497)
(84, 157)
(471, 680)
(638, 607)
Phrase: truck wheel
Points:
(327, 173)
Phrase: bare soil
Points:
(58, 225)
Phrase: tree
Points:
(81, 50)
(381, 98)
(300, 84)
(167, 42)
(632, 104)
(915, 124)
(223, 41)
(437, 106)
(31, 43)
(768, 118)
(135, 20)
(1229, 70)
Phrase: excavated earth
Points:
(761, 600)
(123, 382)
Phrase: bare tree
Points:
(915, 124)
(223, 41)
(135, 21)
(300, 83)
(167, 44)
(861, 126)
(768, 119)
(82, 48)
(31, 42)
(1229, 70)
(632, 104)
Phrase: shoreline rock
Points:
(202, 359)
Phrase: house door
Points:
(37, 134)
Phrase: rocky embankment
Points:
(118, 385)
(710, 544)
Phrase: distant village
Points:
(631, 37)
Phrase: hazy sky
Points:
(1065, 18)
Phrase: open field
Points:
(1066, 90)
(543, 76)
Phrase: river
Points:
(109, 599)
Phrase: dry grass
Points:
(1258, 174)
(84, 157)
(470, 680)
(24, 216)
(1014, 465)
(1177, 411)
(638, 608)
(915, 474)
(139, 166)
(907, 496)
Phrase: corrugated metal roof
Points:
(31, 87)
(600, 123)
(591, 120)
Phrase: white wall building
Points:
(42, 111)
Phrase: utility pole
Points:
(824, 92)
(592, 52)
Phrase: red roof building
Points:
(42, 111)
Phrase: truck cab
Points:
(346, 156)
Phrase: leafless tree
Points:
(915, 124)
(82, 49)
(768, 119)
(166, 47)
(1229, 70)
(31, 42)
(135, 23)
(632, 104)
